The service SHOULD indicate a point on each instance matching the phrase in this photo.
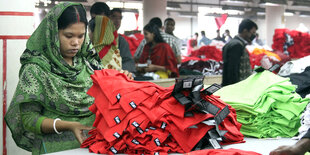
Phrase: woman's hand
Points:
(77, 129)
(61, 125)
(300, 148)
(127, 73)
(285, 150)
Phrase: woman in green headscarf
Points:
(49, 110)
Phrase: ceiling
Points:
(250, 8)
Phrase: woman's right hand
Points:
(77, 129)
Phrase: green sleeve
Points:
(31, 117)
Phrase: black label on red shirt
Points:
(157, 142)
(135, 142)
(117, 120)
(118, 96)
(135, 124)
(116, 135)
(163, 125)
(112, 149)
(133, 105)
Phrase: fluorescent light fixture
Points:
(288, 14)
(261, 13)
(188, 14)
(173, 6)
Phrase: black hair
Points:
(246, 24)
(92, 24)
(153, 28)
(196, 34)
(71, 15)
(169, 19)
(203, 33)
(116, 10)
(157, 22)
(100, 8)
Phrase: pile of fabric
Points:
(265, 58)
(294, 66)
(196, 67)
(209, 52)
(207, 60)
(143, 118)
(297, 43)
(134, 41)
(305, 122)
(266, 105)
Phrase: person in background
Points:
(204, 40)
(258, 41)
(107, 47)
(218, 36)
(99, 8)
(158, 54)
(300, 148)
(49, 110)
(226, 36)
(127, 59)
(171, 40)
(169, 26)
(236, 61)
(192, 44)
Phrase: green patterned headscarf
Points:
(46, 80)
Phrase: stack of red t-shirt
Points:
(209, 52)
(135, 117)
(134, 41)
(299, 49)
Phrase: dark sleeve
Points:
(127, 59)
(307, 135)
(231, 57)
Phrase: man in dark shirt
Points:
(127, 59)
(236, 59)
(300, 148)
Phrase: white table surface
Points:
(263, 146)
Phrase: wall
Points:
(17, 23)
(292, 22)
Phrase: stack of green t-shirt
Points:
(266, 105)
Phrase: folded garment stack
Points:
(266, 105)
(143, 118)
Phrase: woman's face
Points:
(149, 37)
(71, 40)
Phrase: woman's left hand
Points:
(127, 73)
(77, 128)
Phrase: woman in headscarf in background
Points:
(158, 54)
(104, 38)
(49, 111)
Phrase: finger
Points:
(126, 72)
(130, 76)
(79, 138)
(83, 127)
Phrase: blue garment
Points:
(204, 40)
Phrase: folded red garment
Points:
(140, 117)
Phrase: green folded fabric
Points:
(266, 105)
